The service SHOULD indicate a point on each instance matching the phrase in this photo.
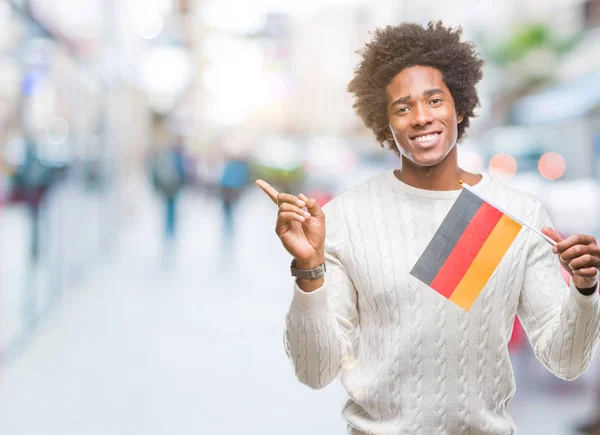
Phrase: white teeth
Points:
(428, 138)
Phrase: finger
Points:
(588, 272)
(303, 198)
(574, 252)
(313, 207)
(287, 207)
(577, 239)
(550, 232)
(579, 251)
(287, 216)
(268, 189)
(583, 261)
(291, 199)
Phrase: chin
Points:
(427, 162)
(429, 158)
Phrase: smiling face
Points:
(422, 117)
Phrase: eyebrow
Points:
(427, 93)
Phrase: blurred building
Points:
(79, 83)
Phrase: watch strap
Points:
(317, 272)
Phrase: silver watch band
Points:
(317, 272)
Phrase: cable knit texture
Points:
(411, 361)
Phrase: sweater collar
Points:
(432, 194)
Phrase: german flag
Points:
(466, 249)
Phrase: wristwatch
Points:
(317, 272)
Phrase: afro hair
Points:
(394, 48)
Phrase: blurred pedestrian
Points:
(168, 176)
(411, 360)
(32, 180)
(234, 180)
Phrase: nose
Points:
(421, 116)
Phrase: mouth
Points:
(426, 139)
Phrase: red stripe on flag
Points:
(466, 249)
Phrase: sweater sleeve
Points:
(561, 323)
(321, 325)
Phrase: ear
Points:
(388, 134)
(459, 118)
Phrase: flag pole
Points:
(470, 189)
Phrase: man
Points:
(412, 361)
(168, 177)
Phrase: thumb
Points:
(550, 232)
(312, 205)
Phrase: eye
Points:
(401, 110)
(436, 101)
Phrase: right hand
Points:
(302, 233)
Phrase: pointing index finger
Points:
(268, 189)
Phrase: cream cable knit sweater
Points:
(412, 361)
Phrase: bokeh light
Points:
(470, 161)
(150, 25)
(503, 165)
(552, 166)
(57, 130)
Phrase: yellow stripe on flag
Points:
(485, 262)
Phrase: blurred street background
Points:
(142, 287)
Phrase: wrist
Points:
(585, 286)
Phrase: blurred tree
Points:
(526, 60)
(526, 40)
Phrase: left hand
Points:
(579, 255)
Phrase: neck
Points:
(442, 176)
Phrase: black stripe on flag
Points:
(445, 238)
